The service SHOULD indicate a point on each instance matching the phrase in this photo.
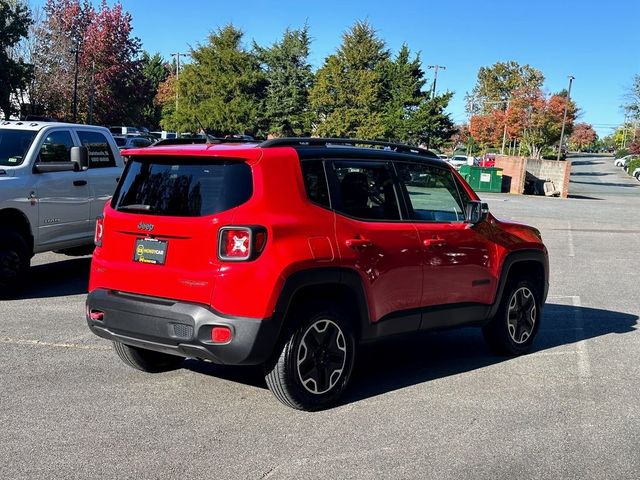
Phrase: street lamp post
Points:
(564, 117)
(177, 55)
(504, 132)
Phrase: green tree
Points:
(156, 71)
(497, 83)
(348, 94)
(410, 115)
(15, 74)
(221, 89)
(403, 81)
(288, 78)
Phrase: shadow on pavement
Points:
(586, 162)
(583, 197)
(590, 174)
(608, 184)
(58, 279)
(423, 357)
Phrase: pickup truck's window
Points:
(100, 154)
(182, 187)
(56, 147)
(14, 145)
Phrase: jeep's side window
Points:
(100, 154)
(315, 182)
(56, 147)
(433, 194)
(366, 190)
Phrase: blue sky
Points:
(596, 41)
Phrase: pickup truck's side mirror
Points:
(476, 211)
(48, 167)
(80, 157)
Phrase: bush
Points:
(623, 152)
(632, 165)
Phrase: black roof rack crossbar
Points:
(327, 142)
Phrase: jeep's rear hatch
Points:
(161, 227)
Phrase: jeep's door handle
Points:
(434, 242)
(79, 183)
(358, 243)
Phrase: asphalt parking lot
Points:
(435, 406)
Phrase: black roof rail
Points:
(353, 142)
(200, 140)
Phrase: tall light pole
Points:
(177, 55)
(564, 117)
(435, 78)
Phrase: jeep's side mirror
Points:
(476, 211)
(80, 157)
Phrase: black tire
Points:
(514, 327)
(14, 263)
(313, 367)
(147, 360)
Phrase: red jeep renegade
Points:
(292, 252)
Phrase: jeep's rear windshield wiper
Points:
(135, 206)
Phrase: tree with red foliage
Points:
(532, 117)
(583, 136)
(112, 88)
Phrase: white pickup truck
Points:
(54, 181)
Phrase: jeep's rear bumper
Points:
(179, 328)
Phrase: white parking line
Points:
(572, 252)
(581, 347)
(39, 343)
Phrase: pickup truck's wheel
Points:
(314, 365)
(517, 321)
(147, 360)
(14, 262)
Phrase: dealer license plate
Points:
(150, 250)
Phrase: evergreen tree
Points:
(348, 94)
(15, 19)
(288, 78)
(221, 90)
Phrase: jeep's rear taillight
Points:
(97, 237)
(241, 243)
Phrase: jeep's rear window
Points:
(182, 187)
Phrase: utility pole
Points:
(435, 78)
(504, 133)
(564, 117)
(75, 51)
(177, 55)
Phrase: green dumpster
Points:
(482, 179)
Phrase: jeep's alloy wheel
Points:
(521, 316)
(312, 367)
(322, 354)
